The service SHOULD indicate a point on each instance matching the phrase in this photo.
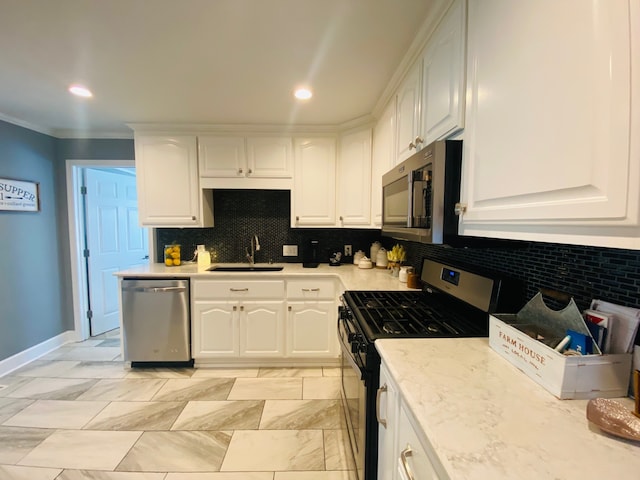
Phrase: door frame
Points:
(76, 220)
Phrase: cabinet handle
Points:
(407, 452)
(290, 308)
(238, 289)
(310, 289)
(381, 390)
(235, 307)
(242, 308)
(249, 172)
(297, 219)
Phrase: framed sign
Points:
(19, 195)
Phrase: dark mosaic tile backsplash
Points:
(581, 271)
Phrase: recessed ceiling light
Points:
(80, 91)
(303, 94)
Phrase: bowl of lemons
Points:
(172, 255)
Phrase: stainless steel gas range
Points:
(454, 302)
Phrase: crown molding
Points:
(27, 125)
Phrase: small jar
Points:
(172, 255)
(402, 275)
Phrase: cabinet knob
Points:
(249, 172)
(235, 307)
(193, 217)
(242, 308)
(418, 140)
(240, 171)
(460, 208)
(297, 219)
(341, 219)
(289, 308)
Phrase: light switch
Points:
(290, 250)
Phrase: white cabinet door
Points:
(548, 151)
(443, 80)
(222, 156)
(314, 196)
(311, 329)
(167, 182)
(262, 329)
(269, 157)
(354, 179)
(408, 115)
(215, 329)
(412, 461)
(239, 157)
(383, 158)
(387, 413)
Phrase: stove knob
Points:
(363, 347)
(356, 347)
(354, 337)
(344, 313)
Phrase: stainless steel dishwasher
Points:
(155, 320)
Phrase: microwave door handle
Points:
(410, 199)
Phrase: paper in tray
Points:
(554, 323)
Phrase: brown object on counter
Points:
(614, 418)
(413, 281)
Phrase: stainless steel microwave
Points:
(419, 195)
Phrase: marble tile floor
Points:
(80, 413)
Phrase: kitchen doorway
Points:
(104, 237)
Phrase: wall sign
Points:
(19, 195)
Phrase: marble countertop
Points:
(487, 420)
(352, 277)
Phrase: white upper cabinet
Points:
(354, 179)
(430, 101)
(167, 180)
(222, 156)
(549, 153)
(245, 162)
(408, 115)
(314, 195)
(382, 158)
(443, 78)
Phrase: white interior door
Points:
(114, 241)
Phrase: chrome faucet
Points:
(255, 246)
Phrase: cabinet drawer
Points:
(311, 289)
(232, 289)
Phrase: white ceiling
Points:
(198, 61)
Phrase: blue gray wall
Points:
(31, 283)
(35, 279)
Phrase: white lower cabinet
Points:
(402, 454)
(237, 318)
(387, 415)
(263, 319)
(311, 318)
(310, 331)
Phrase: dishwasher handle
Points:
(154, 289)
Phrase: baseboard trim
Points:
(20, 359)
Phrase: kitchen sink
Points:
(245, 268)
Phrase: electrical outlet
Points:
(290, 250)
(347, 250)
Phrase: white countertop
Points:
(487, 420)
(352, 277)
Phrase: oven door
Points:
(353, 393)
